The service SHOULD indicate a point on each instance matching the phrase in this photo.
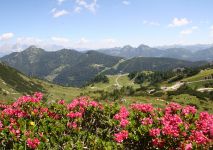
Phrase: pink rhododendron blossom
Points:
(124, 123)
(62, 102)
(198, 137)
(142, 107)
(142, 127)
(93, 104)
(74, 115)
(172, 108)
(1, 124)
(188, 146)
(158, 142)
(72, 125)
(33, 143)
(189, 110)
(123, 114)
(122, 117)
(147, 121)
(14, 112)
(154, 132)
(119, 137)
(38, 95)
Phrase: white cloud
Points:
(58, 13)
(83, 41)
(126, 2)
(92, 6)
(77, 9)
(95, 44)
(6, 36)
(56, 43)
(179, 22)
(109, 41)
(188, 31)
(151, 23)
(60, 1)
(60, 40)
(28, 41)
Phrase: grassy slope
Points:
(56, 92)
(14, 83)
(200, 76)
(122, 80)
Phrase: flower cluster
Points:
(143, 107)
(33, 143)
(122, 117)
(119, 137)
(30, 123)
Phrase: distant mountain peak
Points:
(34, 49)
(143, 46)
(127, 47)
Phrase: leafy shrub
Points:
(29, 123)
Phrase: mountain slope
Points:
(86, 69)
(14, 83)
(206, 54)
(184, 53)
(152, 64)
(130, 52)
(67, 67)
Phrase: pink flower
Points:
(73, 104)
(93, 104)
(124, 123)
(44, 110)
(33, 143)
(14, 112)
(198, 137)
(74, 115)
(211, 132)
(158, 142)
(188, 146)
(62, 102)
(123, 114)
(189, 110)
(154, 132)
(1, 125)
(72, 125)
(204, 115)
(35, 111)
(119, 137)
(170, 130)
(172, 108)
(143, 107)
(122, 117)
(38, 95)
(147, 121)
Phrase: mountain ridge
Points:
(69, 67)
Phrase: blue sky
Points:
(104, 23)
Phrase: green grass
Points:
(200, 76)
(185, 99)
(56, 92)
(123, 80)
(157, 102)
(196, 85)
